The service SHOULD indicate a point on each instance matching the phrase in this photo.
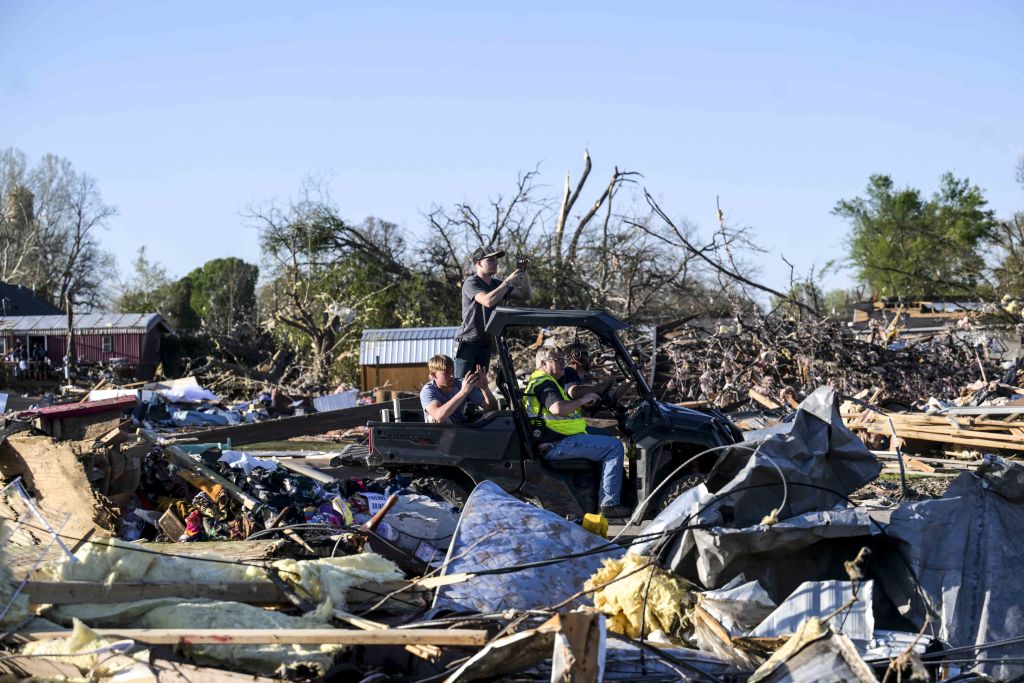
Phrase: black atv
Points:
(449, 460)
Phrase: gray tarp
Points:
(779, 556)
(963, 548)
(819, 451)
(821, 462)
(497, 530)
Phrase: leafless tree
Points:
(49, 230)
(324, 275)
(512, 221)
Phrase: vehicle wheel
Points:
(673, 491)
(445, 489)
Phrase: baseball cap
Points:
(480, 253)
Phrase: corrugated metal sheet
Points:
(100, 323)
(405, 346)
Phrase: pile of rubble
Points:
(785, 358)
(140, 544)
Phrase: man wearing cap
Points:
(481, 292)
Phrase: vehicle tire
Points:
(440, 487)
(673, 491)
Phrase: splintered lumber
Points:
(186, 461)
(284, 636)
(763, 400)
(918, 465)
(961, 438)
(967, 430)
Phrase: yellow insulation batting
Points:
(329, 577)
(622, 600)
(268, 659)
(14, 608)
(91, 652)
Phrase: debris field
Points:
(862, 531)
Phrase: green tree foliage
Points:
(838, 303)
(151, 291)
(1006, 251)
(328, 279)
(223, 294)
(903, 244)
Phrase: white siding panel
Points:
(406, 346)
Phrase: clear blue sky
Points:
(187, 112)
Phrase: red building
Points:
(132, 340)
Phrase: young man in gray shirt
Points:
(444, 397)
(481, 292)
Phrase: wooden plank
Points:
(116, 435)
(942, 438)
(915, 464)
(939, 432)
(87, 592)
(763, 400)
(302, 425)
(287, 636)
(985, 410)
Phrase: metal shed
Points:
(399, 357)
(99, 337)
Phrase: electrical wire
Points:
(642, 505)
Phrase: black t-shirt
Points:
(475, 315)
(570, 377)
(547, 393)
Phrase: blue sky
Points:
(185, 113)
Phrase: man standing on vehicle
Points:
(481, 292)
(444, 398)
(566, 429)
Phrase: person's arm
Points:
(442, 412)
(563, 408)
(523, 290)
(485, 399)
(579, 390)
(497, 295)
(551, 397)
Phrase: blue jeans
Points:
(606, 450)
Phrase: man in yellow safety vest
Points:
(566, 430)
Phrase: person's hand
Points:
(482, 379)
(590, 399)
(514, 277)
(469, 382)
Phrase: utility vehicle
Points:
(503, 446)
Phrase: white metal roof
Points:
(407, 345)
(106, 323)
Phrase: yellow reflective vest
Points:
(566, 426)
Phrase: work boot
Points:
(616, 511)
